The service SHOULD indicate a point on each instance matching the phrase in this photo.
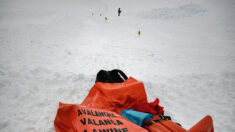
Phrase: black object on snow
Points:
(114, 76)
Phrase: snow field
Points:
(50, 52)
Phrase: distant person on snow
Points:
(139, 32)
(119, 11)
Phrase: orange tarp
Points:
(204, 125)
(100, 110)
(116, 96)
(77, 118)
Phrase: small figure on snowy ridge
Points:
(119, 11)
(139, 32)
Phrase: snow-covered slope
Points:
(51, 50)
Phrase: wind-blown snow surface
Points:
(51, 50)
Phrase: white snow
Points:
(51, 50)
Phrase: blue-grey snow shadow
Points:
(188, 10)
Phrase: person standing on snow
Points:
(119, 11)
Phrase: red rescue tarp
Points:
(116, 96)
(204, 125)
(100, 110)
(78, 118)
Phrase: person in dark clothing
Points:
(119, 11)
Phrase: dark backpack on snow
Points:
(114, 76)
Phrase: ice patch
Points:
(2, 73)
(2, 69)
(188, 10)
(3, 124)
